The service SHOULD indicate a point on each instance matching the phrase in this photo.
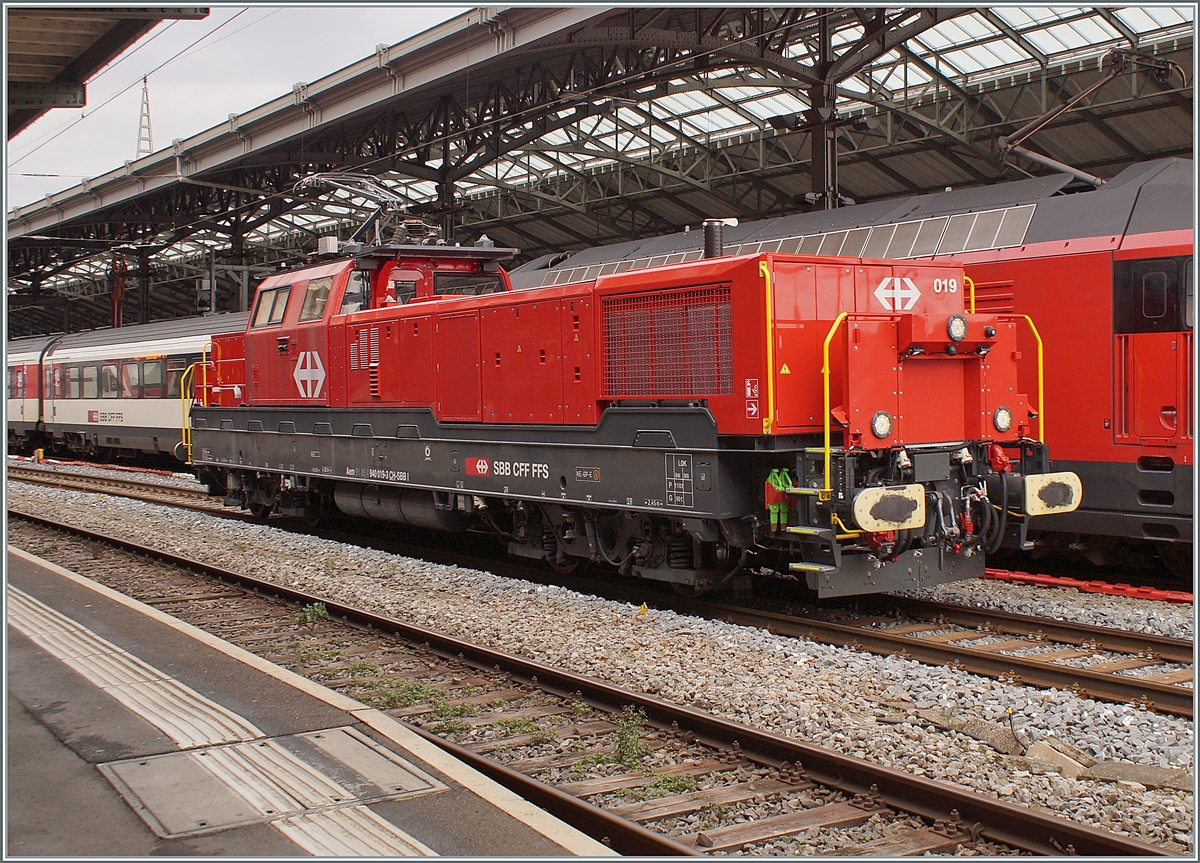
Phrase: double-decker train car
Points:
(844, 419)
(1107, 275)
(112, 393)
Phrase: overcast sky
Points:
(253, 55)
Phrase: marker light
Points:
(957, 327)
(1002, 419)
(881, 424)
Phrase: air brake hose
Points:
(1003, 520)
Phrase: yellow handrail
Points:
(970, 283)
(827, 492)
(1041, 383)
(186, 405)
(765, 271)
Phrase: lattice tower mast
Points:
(145, 143)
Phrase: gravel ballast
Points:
(856, 703)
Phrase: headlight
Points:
(957, 327)
(881, 424)
(1002, 419)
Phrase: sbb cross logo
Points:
(478, 467)
(309, 374)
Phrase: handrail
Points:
(827, 492)
(764, 270)
(970, 283)
(1041, 383)
(185, 401)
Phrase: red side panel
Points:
(521, 359)
(1151, 399)
(873, 381)
(416, 361)
(578, 335)
(457, 369)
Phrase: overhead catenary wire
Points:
(85, 114)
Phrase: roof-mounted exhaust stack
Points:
(714, 243)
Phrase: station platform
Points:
(131, 733)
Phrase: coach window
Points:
(131, 381)
(1189, 288)
(358, 292)
(1149, 296)
(176, 367)
(315, 298)
(71, 389)
(49, 388)
(271, 306)
(90, 382)
(152, 379)
(466, 284)
(110, 381)
(19, 384)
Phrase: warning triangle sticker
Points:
(785, 370)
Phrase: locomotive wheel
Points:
(568, 566)
(313, 515)
(1177, 558)
(260, 511)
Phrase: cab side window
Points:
(402, 284)
(358, 292)
(469, 284)
(271, 305)
(1152, 296)
(315, 299)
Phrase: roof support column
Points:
(446, 207)
(823, 98)
(143, 287)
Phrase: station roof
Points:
(53, 51)
(561, 129)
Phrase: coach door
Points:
(1152, 350)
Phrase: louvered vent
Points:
(994, 298)
(364, 356)
(676, 343)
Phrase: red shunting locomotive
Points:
(842, 418)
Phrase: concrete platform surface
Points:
(131, 733)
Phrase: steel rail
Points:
(1167, 698)
(1008, 824)
(73, 479)
(1180, 650)
(1164, 697)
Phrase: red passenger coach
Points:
(842, 418)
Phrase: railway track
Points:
(651, 778)
(1012, 648)
(152, 492)
(1151, 672)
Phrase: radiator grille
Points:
(674, 343)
